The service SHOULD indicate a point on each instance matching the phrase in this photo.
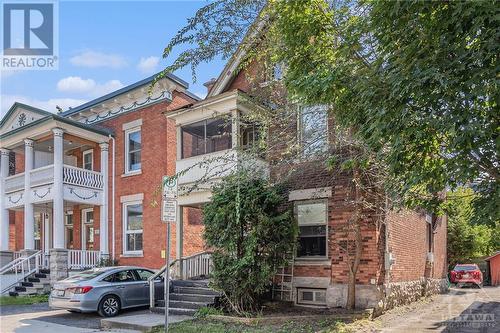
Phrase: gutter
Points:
(113, 158)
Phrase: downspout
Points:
(113, 198)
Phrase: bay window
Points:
(206, 136)
(312, 217)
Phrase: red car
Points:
(466, 274)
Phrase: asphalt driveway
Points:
(39, 318)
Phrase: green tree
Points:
(250, 233)
(416, 80)
(468, 238)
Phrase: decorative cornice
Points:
(164, 95)
(15, 202)
(43, 195)
(4, 152)
(72, 191)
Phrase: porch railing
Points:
(21, 268)
(17, 254)
(42, 176)
(83, 259)
(14, 183)
(196, 265)
(82, 177)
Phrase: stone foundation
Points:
(58, 265)
(367, 296)
(402, 293)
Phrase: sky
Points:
(103, 46)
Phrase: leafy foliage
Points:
(415, 80)
(468, 238)
(250, 233)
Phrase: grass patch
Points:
(210, 326)
(23, 300)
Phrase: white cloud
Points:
(88, 87)
(47, 105)
(75, 84)
(95, 59)
(148, 65)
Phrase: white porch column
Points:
(103, 226)
(29, 211)
(4, 213)
(58, 216)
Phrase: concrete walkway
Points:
(462, 310)
(140, 322)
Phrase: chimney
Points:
(209, 84)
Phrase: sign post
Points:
(169, 215)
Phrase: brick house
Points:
(93, 173)
(404, 252)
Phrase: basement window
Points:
(308, 296)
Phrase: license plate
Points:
(466, 276)
(59, 292)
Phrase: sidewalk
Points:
(141, 322)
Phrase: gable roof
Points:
(16, 105)
(121, 91)
(46, 116)
(229, 71)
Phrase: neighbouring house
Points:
(494, 268)
(78, 187)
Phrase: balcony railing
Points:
(82, 177)
(42, 176)
(83, 259)
(14, 183)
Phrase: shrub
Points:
(250, 233)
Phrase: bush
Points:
(250, 233)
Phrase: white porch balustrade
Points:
(82, 177)
(83, 259)
(14, 183)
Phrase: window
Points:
(249, 135)
(206, 136)
(312, 220)
(132, 213)
(277, 72)
(311, 296)
(119, 277)
(88, 160)
(313, 130)
(68, 226)
(133, 150)
(38, 231)
(143, 274)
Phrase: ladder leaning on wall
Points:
(283, 280)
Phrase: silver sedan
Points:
(106, 290)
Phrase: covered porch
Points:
(54, 188)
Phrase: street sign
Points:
(169, 200)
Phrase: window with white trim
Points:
(133, 227)
(312, 217)
(88, 160)
(313, 130)
(311, 296)
(133, 148)
(68, 229)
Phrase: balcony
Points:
(79, 185)
(200, 172)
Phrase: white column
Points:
(4, 213)
(103, 226)
(179, 241)
(58, 216)
(29, 211)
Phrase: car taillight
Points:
(80, 290)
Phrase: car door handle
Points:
(120, 287)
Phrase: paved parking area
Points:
(38, 318)
(462, 310)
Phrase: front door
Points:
(88, 229)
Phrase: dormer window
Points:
(205, 137)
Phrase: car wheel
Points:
(109, 306)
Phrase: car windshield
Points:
(86, 275)
(465, 268)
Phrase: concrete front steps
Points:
(35, 284)
(187, 296)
